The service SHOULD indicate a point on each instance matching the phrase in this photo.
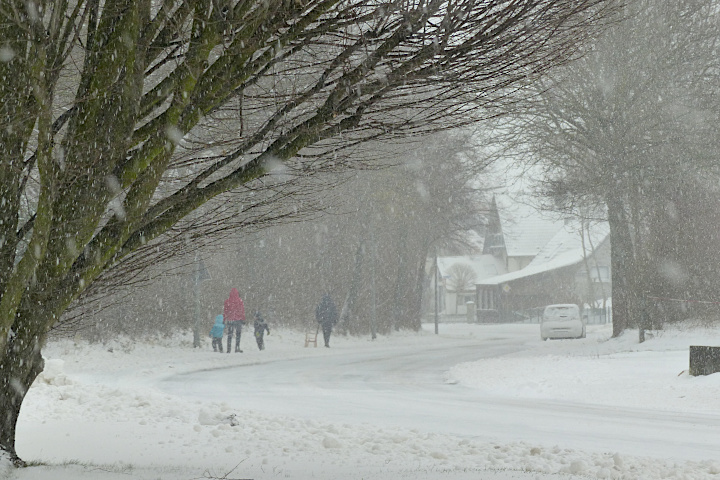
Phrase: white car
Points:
(562, 321)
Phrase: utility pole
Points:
(200, 273)
(196, 295)
(373, 318)
(436, 273)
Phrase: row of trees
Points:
(631, 131)
(368, 251)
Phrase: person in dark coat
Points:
(216, 332)
(234, 318)
(260, 327)
(327, 316)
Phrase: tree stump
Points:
(704, 360)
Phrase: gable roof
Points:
(564, 249)
(525, 229)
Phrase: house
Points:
(457, 278)
(515, 233)
(572, 267)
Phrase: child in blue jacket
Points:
(216, 332)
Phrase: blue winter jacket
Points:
(218, 329)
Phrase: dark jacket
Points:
(326, 313)
(260, 325)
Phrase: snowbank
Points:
(618, 372)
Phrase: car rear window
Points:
(557, 311)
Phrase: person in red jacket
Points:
(234, 318)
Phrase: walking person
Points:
(234, 317)
(260, 328)
(216, 332)
(327, 316)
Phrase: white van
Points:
(562, 321)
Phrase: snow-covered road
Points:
(360, 387)
(474, 402)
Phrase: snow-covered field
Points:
(98, 412)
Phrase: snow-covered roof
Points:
(484, 266)
(565, 248)
(525, 229)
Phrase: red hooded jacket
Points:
(234, 308)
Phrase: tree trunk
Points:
(355, 283)
(621, 260)
(590, 297)
(400, 301)
(18, 369)
(415, 302)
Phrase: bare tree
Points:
(377, 229)
(628, 132)
(122, 117)
(462, 278)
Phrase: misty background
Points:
(628, 133)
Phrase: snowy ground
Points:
(98, 411)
